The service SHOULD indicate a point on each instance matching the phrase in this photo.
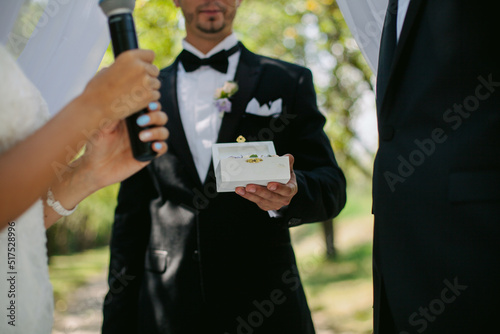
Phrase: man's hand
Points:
(275, 195)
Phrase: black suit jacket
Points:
(436, 181)
(185, 259)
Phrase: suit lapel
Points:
(411, 15)
(177, 141)
(247, 75)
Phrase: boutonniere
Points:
(222, 96)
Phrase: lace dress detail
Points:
(26, 298)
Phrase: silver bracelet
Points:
(56, 205)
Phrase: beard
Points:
(211, 28)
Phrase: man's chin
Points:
(211, 28)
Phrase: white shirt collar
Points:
(226, 44)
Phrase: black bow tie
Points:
(218, 61)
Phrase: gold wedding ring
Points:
(254, 160)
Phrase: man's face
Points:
(209, 18)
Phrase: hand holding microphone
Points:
(128, 85)
(124, 37)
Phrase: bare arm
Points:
(29, 168)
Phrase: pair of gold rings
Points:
(254, 160)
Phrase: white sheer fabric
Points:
(8, 16)
(365, 19)
(65, 48)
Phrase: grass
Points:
(350, 265)
(339, 291)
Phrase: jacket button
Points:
(196, 256)
(387, 132)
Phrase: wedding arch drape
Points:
(8, 16)
(65, 48)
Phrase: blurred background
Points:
(334, 257)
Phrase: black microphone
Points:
(124, 37)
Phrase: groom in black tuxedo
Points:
(437, 172)
(187, 260)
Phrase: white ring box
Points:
(232, 170)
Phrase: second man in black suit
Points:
(436, 186)
(185, 259)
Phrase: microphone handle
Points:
(124, 37)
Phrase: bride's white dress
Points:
(27, 303)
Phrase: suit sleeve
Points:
(321, 183)
(130, 237)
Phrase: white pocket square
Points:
(268, 109)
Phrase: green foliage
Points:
(266, 29)
(88, 227)
(158, 28)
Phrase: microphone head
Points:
(111, 7)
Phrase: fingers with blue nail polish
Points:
(143, 120)
(153, 106)
(146, 136)
(157, 146)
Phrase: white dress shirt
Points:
(200, 118)
(402, 10)
(195, 92)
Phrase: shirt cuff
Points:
(275, 214)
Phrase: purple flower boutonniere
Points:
(222, 96)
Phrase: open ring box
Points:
(240, 164)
